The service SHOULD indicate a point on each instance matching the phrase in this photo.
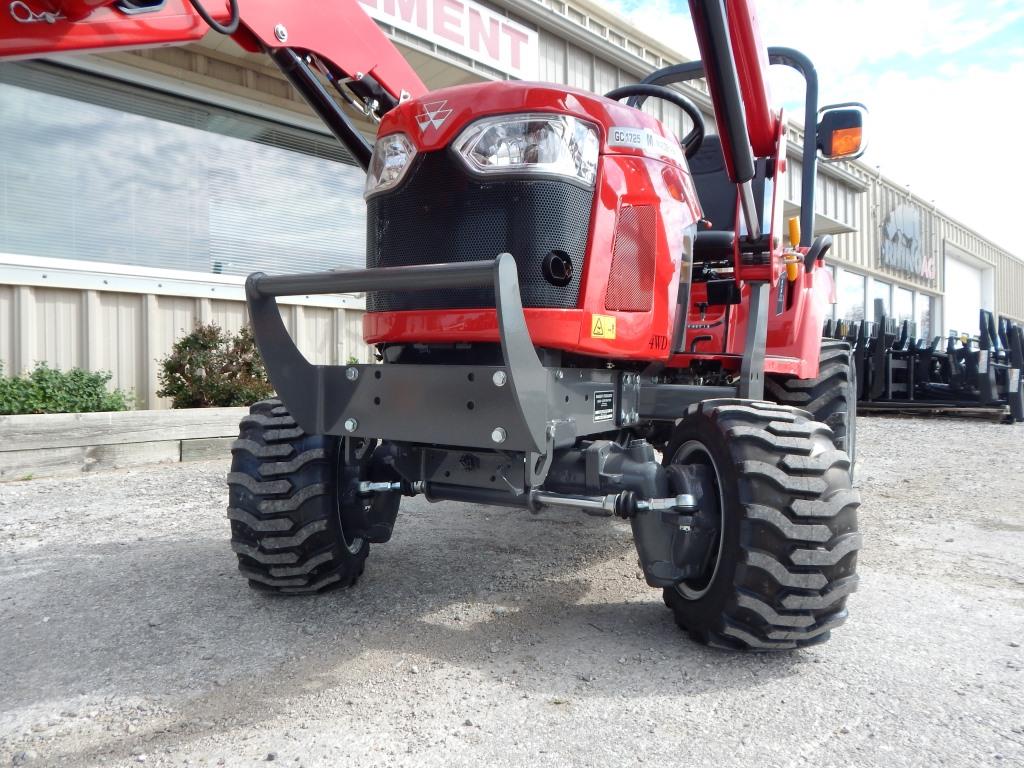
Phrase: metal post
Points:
(751, 384)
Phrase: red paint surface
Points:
(339, 31)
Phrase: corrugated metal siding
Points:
(862, 249)
(127, 334)
(8, 326)
(832, 197)
(552, 58)
(579, 67)
(122, 349)
(563, 62)
(866, 211)
(1009, 271)
(57, 316)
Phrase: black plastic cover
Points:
(441, 213)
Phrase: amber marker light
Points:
(846, 141)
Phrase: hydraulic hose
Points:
(230, 28)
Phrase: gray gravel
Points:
(481, 636)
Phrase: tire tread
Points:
(797, 532)
(285, 527)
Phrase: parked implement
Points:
(961, 373)
(571, 307)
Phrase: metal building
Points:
(138, 189)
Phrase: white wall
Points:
(970, 287)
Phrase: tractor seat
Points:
(718, 199)
(716, 193)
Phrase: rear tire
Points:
(830, 398)
(286, 508)
(786, 556)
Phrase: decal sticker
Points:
(604, 406)
(646, 141)
(22, 13)
(434, 114)
(658, 342)
(780, 298)
(602, 327)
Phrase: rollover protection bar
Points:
(414, 403)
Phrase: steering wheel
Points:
(691, 142)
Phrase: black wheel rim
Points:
(355, 545)
(695, 452)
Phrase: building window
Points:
(902, 304)
(880, 298)
(924, 314)
(849, 296)
(96, 170)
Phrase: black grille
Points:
(442, 214)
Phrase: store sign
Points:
(903, 244)
(465, 27)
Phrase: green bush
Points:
(210, 368)
(47, 390)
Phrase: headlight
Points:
(392, 156)
(531, 143)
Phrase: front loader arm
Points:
(333, 37)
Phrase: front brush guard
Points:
(455, 405)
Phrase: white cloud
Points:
(945, 108)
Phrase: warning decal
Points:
(602, 327)
(604, 406)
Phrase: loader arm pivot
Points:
(335, 37)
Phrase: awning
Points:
(823, 225)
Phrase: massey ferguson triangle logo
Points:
(434, 113)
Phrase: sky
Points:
(943, 81)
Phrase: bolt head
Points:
(351, 425)
(281, 33)
(499, 435)
(351, 373)
(499, 378)
(559, 374)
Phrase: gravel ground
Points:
(482, 636)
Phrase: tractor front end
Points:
(571, 308)
(529, 270)
(592, 198)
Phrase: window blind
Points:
(99, 170)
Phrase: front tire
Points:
(286, 507)
(830, 398)
(786, 554)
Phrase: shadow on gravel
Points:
(533, 603)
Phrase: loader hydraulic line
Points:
(225, 29)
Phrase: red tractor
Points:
(571, 308)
